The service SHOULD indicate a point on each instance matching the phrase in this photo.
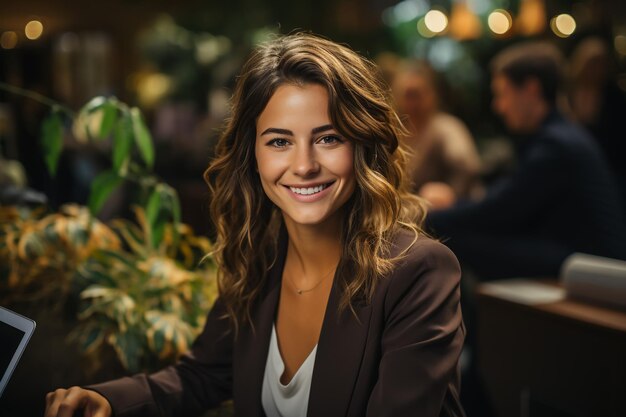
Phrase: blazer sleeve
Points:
(202, 379)
(542, 178)
(422, 339)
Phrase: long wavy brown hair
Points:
(247, 223)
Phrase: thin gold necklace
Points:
(301, 291)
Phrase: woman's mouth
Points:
(306, 191)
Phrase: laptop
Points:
(15, 331)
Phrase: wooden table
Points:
(549, 355)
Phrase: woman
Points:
(444, 165)
(332, 300)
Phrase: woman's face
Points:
(414, 94)
(306, 168)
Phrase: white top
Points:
(289, 400)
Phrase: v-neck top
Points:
(289, 400)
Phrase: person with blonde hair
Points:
(332, 300)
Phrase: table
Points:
(541, 354)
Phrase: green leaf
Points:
(122, 144)
(52, 141)
(154, 205)
(168, 334)
(92, 340)
(163, 207)
(158, 341)
(112, 256)
(32, 245)
(77, 234)
(133, 236)
(101, 189)
(129, 347)
(93, 275)
(143, 139)
(176, 215)
(158, 229)
(109, 116)
(154, 215)
(50, 234)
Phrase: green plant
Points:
(100, 119)
(132, 153)
(148, 305)
(143, 289)
(40, 252)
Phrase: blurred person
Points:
(561, 198)
(332, 300)
(597, 103)
(388, 64)
(444, 164)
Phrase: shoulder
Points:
(420, 249)
(423, 266)
(453, 133)
(449, 124)
(566, 136)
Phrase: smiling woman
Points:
(305, 167)
(332, 301)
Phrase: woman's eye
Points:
(331, 139)
(278, 143)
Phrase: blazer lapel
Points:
(252, 346)
(339, 354)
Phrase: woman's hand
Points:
(64, 402)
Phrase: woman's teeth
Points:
(308, 191)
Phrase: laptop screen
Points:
(11, 338)
(15, 331)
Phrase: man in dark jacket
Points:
(561, 198)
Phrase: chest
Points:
(346, 359)
(299, 320)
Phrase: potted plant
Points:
(140, 289)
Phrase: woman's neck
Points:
(313, 250)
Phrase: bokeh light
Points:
(436, 21)
(563, 25)
(151, 87)
(33, 29)
(8, 40)
(423, 30)
(499, 21)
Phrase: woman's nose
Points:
(305, 162)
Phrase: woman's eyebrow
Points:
(322, 129)
(290, 133)
(277, 131)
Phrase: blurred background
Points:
(177, 62)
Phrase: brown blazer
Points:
(399, 359)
